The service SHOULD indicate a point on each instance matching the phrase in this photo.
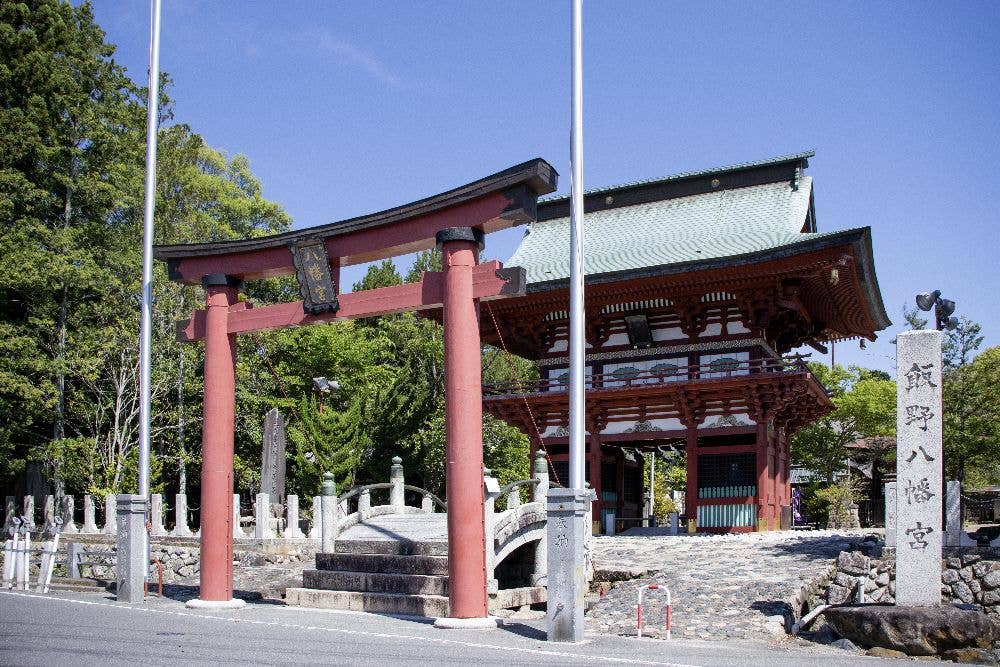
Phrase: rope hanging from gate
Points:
(520, 387)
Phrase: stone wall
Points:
(183, 560)
(969, 575)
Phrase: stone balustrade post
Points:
(49, 510)
(330, 513)
(292, 529)
(514, 498)
(110, 514)
(316, 529)
(28, 507)
(10, 511)
(364, 505)
(67, 512)
(890, 514)
(237, 519)
(539, 494)
(954, 536)
(427, 504)
(541, 475)
(491, 491)
(181, 528)
(74, 556)
(262, 517)
(156, 515)
(396, 491)
(89, 516)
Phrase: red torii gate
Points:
(457, 221)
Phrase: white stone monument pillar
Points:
(890, 514)
(918, 468)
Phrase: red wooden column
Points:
(217, 443)
(691, 493)
(594, 459)
(765, 484)
(463, 425)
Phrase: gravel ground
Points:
(723, 586)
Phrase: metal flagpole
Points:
(152, 111)
(576, 314)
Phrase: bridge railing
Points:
(518, 523)
(355, 506)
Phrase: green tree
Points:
(865, 408)
(70, 142)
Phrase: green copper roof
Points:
(706, 226)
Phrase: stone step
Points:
(388, 563)
(391, 547)
(68, 584)
(379, 603)
(373, 582)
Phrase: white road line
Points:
(362, 633)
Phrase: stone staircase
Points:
(382, 576)
(392, 565)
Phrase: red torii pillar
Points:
(221, 293)
(463, 393)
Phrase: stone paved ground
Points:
(723, 586)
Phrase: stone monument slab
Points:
(272, 473)
(918, 468)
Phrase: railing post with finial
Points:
(328, 505)
(396, 492)
(541, 491)
(491, 491)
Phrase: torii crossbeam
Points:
(456, 221)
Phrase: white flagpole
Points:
(577, 342)
(145, 337)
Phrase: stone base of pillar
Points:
(485, 623)
(568, 524)
(198, 603)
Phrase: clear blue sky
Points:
(351, 107)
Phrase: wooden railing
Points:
(666, 373)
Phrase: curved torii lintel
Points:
(494, 203)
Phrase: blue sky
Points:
(351, 107)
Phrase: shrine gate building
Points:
(698, 286)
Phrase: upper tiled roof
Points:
(711, 225)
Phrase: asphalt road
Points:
(93, 629)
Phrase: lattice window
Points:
(727, 475)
